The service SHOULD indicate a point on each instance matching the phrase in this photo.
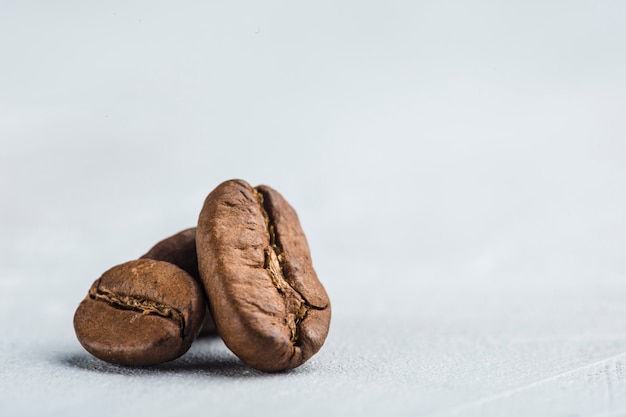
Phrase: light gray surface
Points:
(459, 168)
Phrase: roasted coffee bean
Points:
(267, 302)
(142, 312)
(180, 250)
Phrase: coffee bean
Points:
(142, 312)
(180, 250)
(267, 302)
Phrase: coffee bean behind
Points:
(267, 302)
(180, 250)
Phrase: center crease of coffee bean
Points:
(142, 305)
(274, 260)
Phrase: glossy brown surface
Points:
(180, 249)
(142, 312)
(267, 302)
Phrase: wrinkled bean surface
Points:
(254, 260)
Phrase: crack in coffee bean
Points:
(142, 305)
(274, 265)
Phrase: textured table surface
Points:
(460, 171)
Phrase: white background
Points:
(459, 168)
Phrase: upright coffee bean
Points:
(180, 250)
(142, 312)
(267, 302)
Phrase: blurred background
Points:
(459, 169)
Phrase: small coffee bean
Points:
(267, 302)
(142, 312)
(180, 250)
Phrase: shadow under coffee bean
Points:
(207, 357)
